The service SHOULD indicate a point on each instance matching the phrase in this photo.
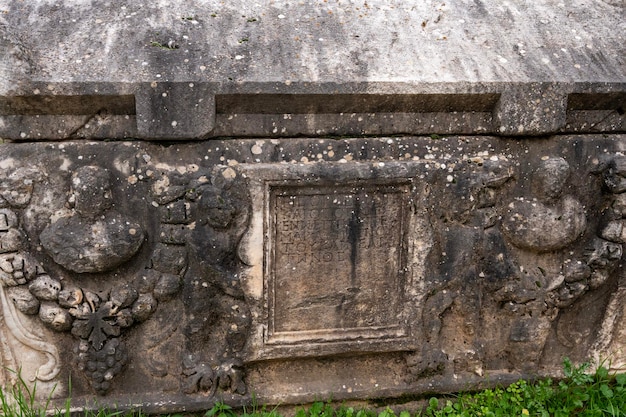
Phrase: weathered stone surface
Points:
(24, 301)
(291, 266)
(184, 71)
(447, 262)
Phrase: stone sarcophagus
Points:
(198, 207)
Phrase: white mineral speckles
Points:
(132, 179)
(174, 123)
(22, 134)
(256, 149)
(238, 57)
(65, 165)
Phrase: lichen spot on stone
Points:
(229, 173)
(161, 185)
(7, 163)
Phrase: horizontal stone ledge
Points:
(196, 110)
(157, 404)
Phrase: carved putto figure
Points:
(94, 237)
(549, 221)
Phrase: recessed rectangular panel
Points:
(337, 261)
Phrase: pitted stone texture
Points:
(240, 41)
(161, 113)
(531, 109)
(284, 69)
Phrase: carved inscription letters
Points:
(337, 261)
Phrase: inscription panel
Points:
(337, 262)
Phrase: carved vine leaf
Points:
(97, 326)
(228, 377)
(199, 378)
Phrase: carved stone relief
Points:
(17, 268)
(532, 256)
(610, 343)
(94, 237)
(98, 291)
(210, 270)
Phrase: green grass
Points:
(19, 401)
(581, 393)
